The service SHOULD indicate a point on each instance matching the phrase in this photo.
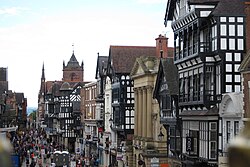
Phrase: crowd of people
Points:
(32, 147)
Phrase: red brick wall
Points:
(162, 44)
(67, 75)
(246, 75)
(246, 99)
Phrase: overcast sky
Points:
(33, 32)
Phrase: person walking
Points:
(33, 163)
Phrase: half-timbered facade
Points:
(166, 93)
(62, 102)
(120, 62)
(209, 40)
(100, 77)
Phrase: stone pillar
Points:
(136, 112)
(139, 109)
(149, 112)
(144, 112)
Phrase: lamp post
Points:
(110, 121)
(160, 135)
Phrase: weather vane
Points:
(73, 47)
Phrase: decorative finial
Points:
(73, 47)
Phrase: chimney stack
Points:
(162, 46)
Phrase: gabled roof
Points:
(224, 7)
(73, 62)
(168, 70)
(101, 65)
(65, 86)
(54, 87)
(245, 64)
(169, 11)
(142, 66)
(123, 58)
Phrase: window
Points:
(213, 140)
(236, 128)
(237, 78)
(240, 19)
(223, 30)
(209, 79)
(240, 30)
(191, 87)
(196, 87)
(223, 44)
(228, 131)
(228, 67)
(228, 56)
(195, 41)
(237, 88)
(172, 138)
(223, 19)
(236, 67)
(115, 95)
(177, 47)
(231, 30)
(194, 136)
(240, 44)
(229, 78)
(232, 44)
(129, 117)
(182, 83)
(218, 80)
(228, 88)
(231, 19)
(214, 38)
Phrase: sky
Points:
(37, 32)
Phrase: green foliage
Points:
(33, 115)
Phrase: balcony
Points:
(191, 98)
(167, 117)
(187, 52)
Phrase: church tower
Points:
(41, 98)
(73, 72)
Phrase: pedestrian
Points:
(83, 163)
(27, 161)
(33, 163)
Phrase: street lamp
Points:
(110, 122)
(160, 135)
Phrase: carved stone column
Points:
(139, 109)
(144, 112)
(136, 112)
(149, 111)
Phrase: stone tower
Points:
(73, 72)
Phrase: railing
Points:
(204, 46)
(196, 96)
(188, 51)
(166, 113)
(210, 95)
